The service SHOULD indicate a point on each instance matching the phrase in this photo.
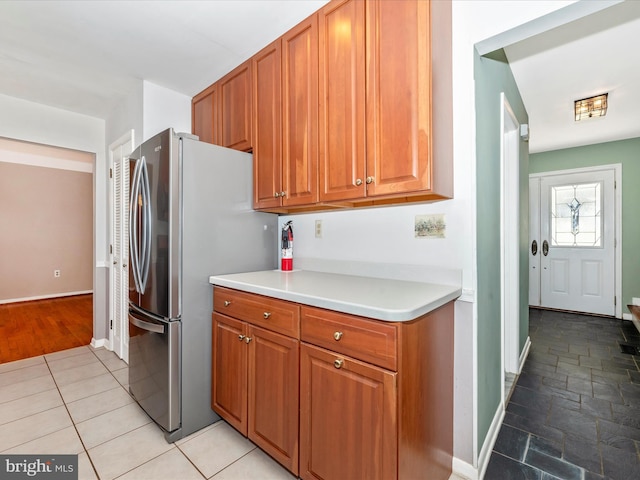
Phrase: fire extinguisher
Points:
(287, 246)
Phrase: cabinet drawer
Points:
(367, 340)
(270, 313)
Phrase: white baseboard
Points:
(489, 441)
(524, 354)
(45, 297)
(464, 469)
(101, 342)
(627, 316)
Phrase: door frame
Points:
(617, 207)
(509, 240)
(124, 323)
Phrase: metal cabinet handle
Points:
(545, 248)
(277, 194)
(240, 337)
(338, 362)
(227, 303)
(337, 336)
(247, 339)
(534, 248)
(266, 315)
(369, 180)
(358, 182)
(282, 194)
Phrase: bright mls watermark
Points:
(39, 467)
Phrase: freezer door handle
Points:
(151, 327)
(145, 255)
(133, 225)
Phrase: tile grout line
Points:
(64, 402)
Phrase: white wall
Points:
(163, 108)
(126, 116)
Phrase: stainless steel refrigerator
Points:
(190, 217)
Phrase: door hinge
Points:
(110, 249)
(110, 324)
(111, 173)
(615, 301)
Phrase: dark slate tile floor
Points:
(574, 413)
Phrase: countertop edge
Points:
(451, 293)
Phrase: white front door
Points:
(119, 272)
(576, 245)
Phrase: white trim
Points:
(102, 264)
(102, 342)
(627, 316)
(45, 297)
(32, 160)
(468, 295)
(617, 173)
(464, 469)
(543, 24)
(490, 440)
(524, 354)
(509, 237)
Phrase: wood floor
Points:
(28, 329)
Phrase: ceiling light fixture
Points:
(591, 107)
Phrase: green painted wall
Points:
(627, 153)
(493, 76)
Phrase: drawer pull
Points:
(338, 363)
(240, 337)
(266, 315)
(227, 303)
(247, 339)
(337, 336)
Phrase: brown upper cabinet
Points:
(203, 115)
(285, 119)
(351, 107)
(342, 163)
(267, 126)
(221, 114)
(234, 105)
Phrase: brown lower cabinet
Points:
(255, 379)
(350, 397)
(348, 418)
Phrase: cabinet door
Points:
(348, 426)
(273, 395)
(267, 127)
(203, 115)
(234, 93)
(342, 101)
(398, 96)
(300, 113)
(229, 371)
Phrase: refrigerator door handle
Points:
(145, 255)
(148, 326)
(133, 225)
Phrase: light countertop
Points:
(379, 298)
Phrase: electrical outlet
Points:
(56, 273)
(318, 228)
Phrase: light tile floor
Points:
(77, 402)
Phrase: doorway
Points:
(574, 245)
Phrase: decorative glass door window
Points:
(576, 215)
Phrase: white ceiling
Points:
(86, 56)
(593, 55)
